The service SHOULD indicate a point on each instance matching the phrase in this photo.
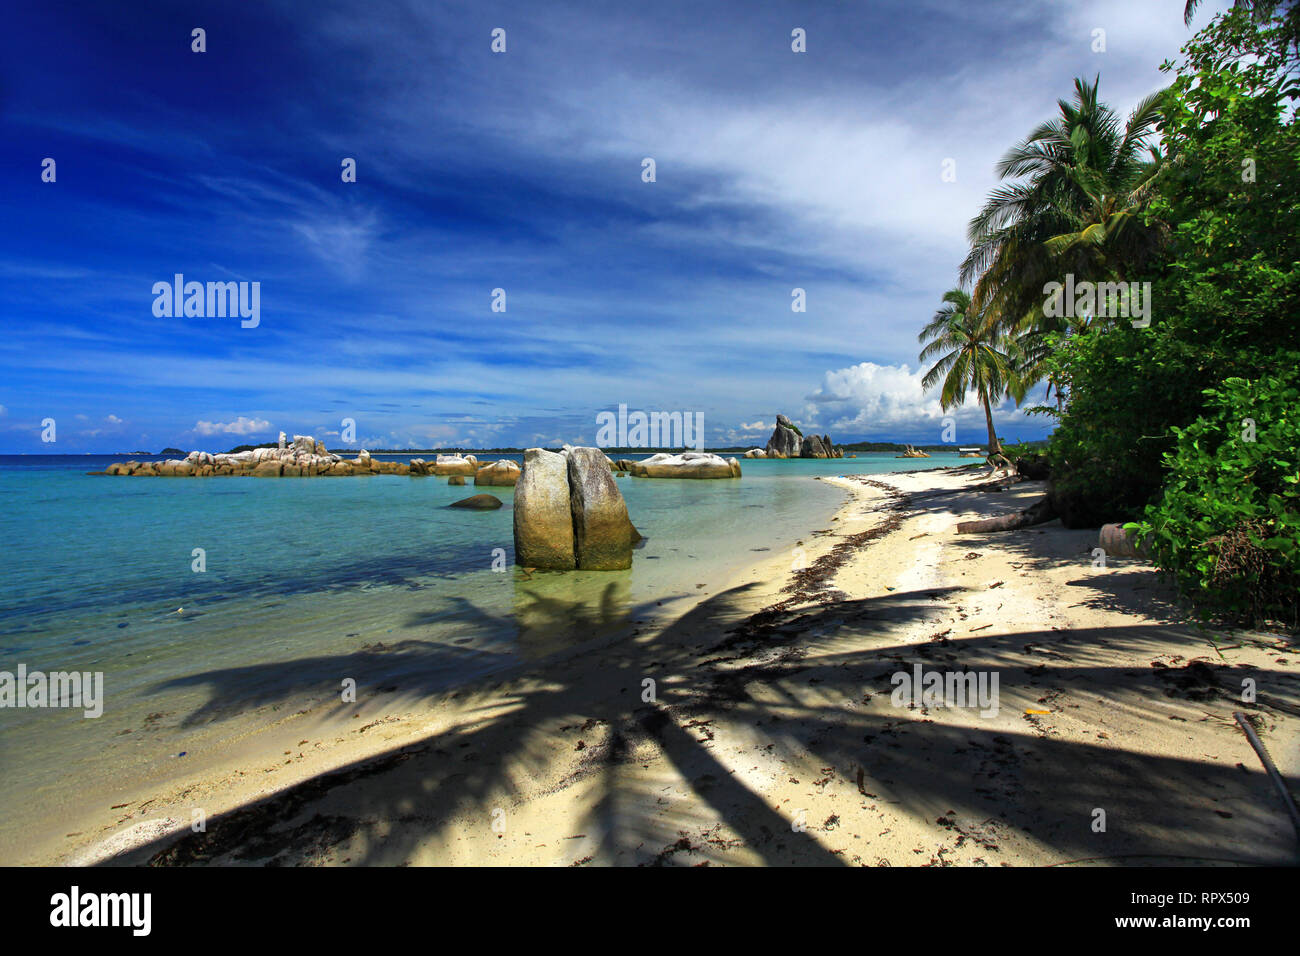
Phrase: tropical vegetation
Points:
(1194, 196)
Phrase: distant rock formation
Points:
(690, 464)
(304, 457)
(569, 513)
(466, 465)
(503, 472)
(788, 442)
(911, 452)
(756, 453)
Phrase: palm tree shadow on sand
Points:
(651, 784)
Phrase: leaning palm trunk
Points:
(995, 447)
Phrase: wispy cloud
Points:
(240, 426)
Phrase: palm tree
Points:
(972, 356)
(1084, 181)
(1077, 189)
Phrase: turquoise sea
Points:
(307, 581)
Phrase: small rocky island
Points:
(690, 464)
(305, 457)
(788, 441)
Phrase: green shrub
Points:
(1227, 527)
(1127, 387)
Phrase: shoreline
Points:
(242, 765)
(773, 738)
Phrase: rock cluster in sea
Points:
(910, 452)
(690, 464)
(569, 513)
(304, 457)
(503, 472)
(463, 465)
(788, 442)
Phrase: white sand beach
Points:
(772, 739)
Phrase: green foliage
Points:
(1072, 202)
(1226, 294)
(1127, 388)
(1227, 526)
(1149, 421)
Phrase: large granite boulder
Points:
(503, 472)
(603, 533)
(465, 465)
(756, 453)
(690, 464)
(543, 519)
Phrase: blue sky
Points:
(520, 171)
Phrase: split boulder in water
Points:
(569, 513)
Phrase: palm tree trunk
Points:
(995, 447)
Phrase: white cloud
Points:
(113, 420)
(878, 400)
(240, 426)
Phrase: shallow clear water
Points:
(311, 580)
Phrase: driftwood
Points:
(1040, 511)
